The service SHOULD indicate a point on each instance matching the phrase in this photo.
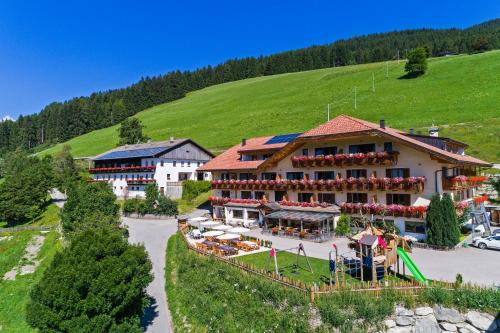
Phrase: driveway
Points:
(154, 234)
(475, 265)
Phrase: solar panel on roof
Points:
(282, 138)
(146, 152)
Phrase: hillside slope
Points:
(458, 93)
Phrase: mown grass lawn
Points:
(186, 206)
(459, 93)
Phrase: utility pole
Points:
(373, 82)
(386, 69)
(355, 97)
(398, 57)
(42, 134)
(328, 114)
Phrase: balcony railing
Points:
(140, 181)
(385, 210)
(415, 184)
(381, 157)
(123, 169)
(462, 182)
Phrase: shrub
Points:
(166, 206)
(191, 188)
(142, 208)
(343, 225)
(451, 230)
(130, 206)
(97, 284)
(434, 221)
(417, 62)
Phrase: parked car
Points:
(490, 242)
(495, 232)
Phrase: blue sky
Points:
(55, 50)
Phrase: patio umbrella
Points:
(209, 224)
(228, 236)
(238, 230)
(222, 227)
(195, 221)
(213, 233)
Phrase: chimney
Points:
(411, 131)
(172, 139)
(434, 131)
(382, 123)
(243, 141)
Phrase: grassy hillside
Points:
(459, 93)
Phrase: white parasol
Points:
(222, 227)
(209, 224)
(213, 233)
(238, 230)
(228, 236)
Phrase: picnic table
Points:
(225, 250)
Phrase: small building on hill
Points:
(128, 169)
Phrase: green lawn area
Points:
(188, 206)
(49, 217)
(14, 295)
(459, 93)
(287, 266)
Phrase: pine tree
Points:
(434, 221)
(451, 231)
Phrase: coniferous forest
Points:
(61, 121)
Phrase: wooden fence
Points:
(412, 288)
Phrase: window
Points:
(168, 176)
(245, 176)
(294, 175)
(198, 164)
(162, 190)
(387, 146)
(189, 164)
(357, 197)
(246, 194)
(199, 176)
(252, 215)
(259, 195)
(398, 199)
(126, 177)
(356, 173)
(226, 194)
(279, 195)
(415, 227)
(162, 163)
(326, 197)
(182, 164)
(325, 151)
(114, 177)
(397, 172)
(305, 197)
(121, 177)
(364, 148)
(174, 163)
(268, 176)
(325, 175)
(237, 213)
(147, 176)
(305, 152)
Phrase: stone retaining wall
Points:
(440, 320)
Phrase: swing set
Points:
(274, 254)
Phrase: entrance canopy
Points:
(300, 216)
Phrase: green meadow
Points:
(458, 93)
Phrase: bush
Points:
(166, 206)
(97, 284)
(130, 206)
(192, 188)
(343, 225)
(142, 208)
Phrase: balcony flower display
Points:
(311, 160)
(329, 159)
(480, 199)
(476, 179)
(381, 209)
(371, 156)
(348, 159)
(359, 158)
(459, 179)
(320, 159)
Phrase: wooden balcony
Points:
(123, 169)
(457, 183)
(346, 160)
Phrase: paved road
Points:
(475, 265)
(154, 235)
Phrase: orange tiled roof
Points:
(344, 124)
(230, 159)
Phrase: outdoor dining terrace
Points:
(139, 168)
(462, 182)
(381, 157)
(415, 184)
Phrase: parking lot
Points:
(475, 265)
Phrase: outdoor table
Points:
(226, 250)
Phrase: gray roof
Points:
(150, 149)
(300, 215)
(369, 240)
